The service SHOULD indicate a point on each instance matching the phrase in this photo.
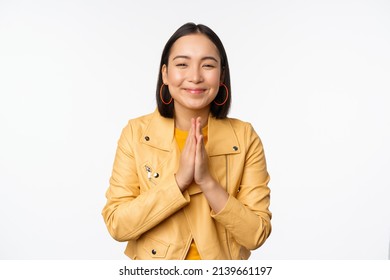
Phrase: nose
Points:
(195, 75)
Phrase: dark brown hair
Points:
(218, 112)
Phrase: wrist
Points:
(182, 186)
(208, 184)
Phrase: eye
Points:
(208, 66)
(181, 65)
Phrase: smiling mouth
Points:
(195, 90)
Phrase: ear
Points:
(164, 74)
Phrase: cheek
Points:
(214, 78)
(175, 77)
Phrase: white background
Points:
(313, 77)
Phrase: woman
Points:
(188, 182)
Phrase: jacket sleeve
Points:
(129, 213)
(246, 216)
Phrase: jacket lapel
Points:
(222, 139)
(159, 133)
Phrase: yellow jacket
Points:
(146, 208)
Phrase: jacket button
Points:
(154, 252)
(147, 138)
(155, 175)
(235, 148)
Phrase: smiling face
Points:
(193, 74)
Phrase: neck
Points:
(183, 117)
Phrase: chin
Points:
(199, 106)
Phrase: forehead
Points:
(194, 45)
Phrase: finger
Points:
(190, 136)
(198, 127)
(198, 156)
(201, 165)
(193, 126)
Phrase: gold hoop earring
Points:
(227, 95)
(161, 97)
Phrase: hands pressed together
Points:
(194, 160)
(194, 168)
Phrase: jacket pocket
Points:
(155, 248)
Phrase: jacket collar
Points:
(222, 139)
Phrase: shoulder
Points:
(238, 125)
(237, 122)
(136, 126)
(145, 119)
(142, 122)
(152, 125)
(244, 131)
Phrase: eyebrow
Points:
(203, 58)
